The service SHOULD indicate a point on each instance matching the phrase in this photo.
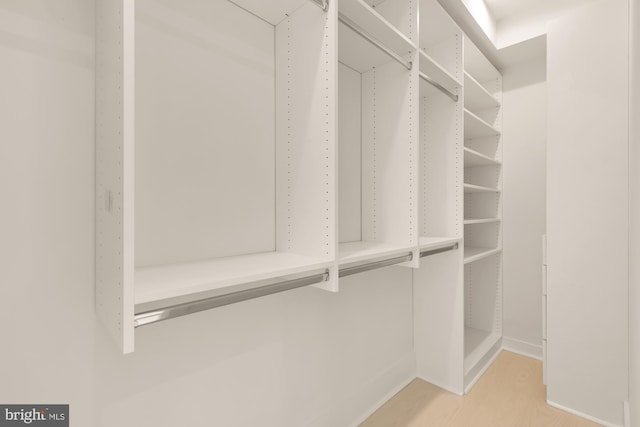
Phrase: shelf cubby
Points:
(377, 148)
(475, 127)
(211, 204)
(474, 158)
(441, 42)
(476, 97)
(471, 221)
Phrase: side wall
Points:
(524, 108)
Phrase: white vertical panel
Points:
(350, 155)
(306, 132)
(388, 146)
(438, 320)
(205, 168)
(587, 291)
(115, 168)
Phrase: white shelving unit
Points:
(482, 213)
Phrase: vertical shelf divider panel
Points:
(306, 135)
(114, 169)
(482, 213)
(438, 283)
(237, 190)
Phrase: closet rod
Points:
(356, 28)
(437, 85)
(439, 250)
(170, 312)
(323, 4)
(348, 271)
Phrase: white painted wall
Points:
(634, 232)
(306, 357)
(524, 109)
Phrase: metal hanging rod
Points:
(439, 250)
(438, 86)
(364, 34)
(165, 313)
(348, 271)
(322, 4)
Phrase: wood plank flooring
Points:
(509, 394)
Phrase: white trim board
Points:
(522, 348)
(581, 415)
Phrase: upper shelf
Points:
(437, 73)
(272, 11)
(477, 65)
(476, 97)
(436, 242)
(475, 127)
(179, 280)
(358, 12)
(362, 251)
(473, 158)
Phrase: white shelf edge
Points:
(478, 255)
(484, 157)
(479, 189)
(369, 251)
(491, 131)
(480, 351)
(481, 221)
(218, 276)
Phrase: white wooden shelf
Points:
(363, 15)
(471, 188)
(475, 127)
(474, 253)
(363, 251)
(437, 73)
(477, 344)
(476, 97)
(436, 242)
(480, 221)
(473, 158)
(179, 280)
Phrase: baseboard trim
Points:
(522, 348)
(442, 386)
(488, 361)
(581, 415)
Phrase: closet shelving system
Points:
(482, 212)
(210, 211)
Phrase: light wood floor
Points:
(509, 394)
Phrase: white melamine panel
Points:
(362, 251)
(475, 253)
(377, 26)
(272, 11)
(483, 293)
(587, 216)
(482, 205)
(427, 243)
(306, 132)
(483, 234)
(477, 343)
(436, 25)
(217, 276)
(476, 97)
(475, 158)
(349, 155)
(480, 221)
(114, 169)
(489, 146)
(205, 184)
(472, 188)
(356, 52)
(402, 14)
(389, 155)
(484, 176)
(476, 64)
(440, 166)
(476, 127)
(433, 70)
(438, 312)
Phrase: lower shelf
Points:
(436, 242)
(474, 253)
(178, 280)
(476, 345)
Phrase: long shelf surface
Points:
(436, 242)
(178, 280)
(476, 345)
(476, 97)
(474, 158)
(471, 221)
(471, 188)
(363, 251)
(475, 253)
(475, 127)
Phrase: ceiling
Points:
(501, 9)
